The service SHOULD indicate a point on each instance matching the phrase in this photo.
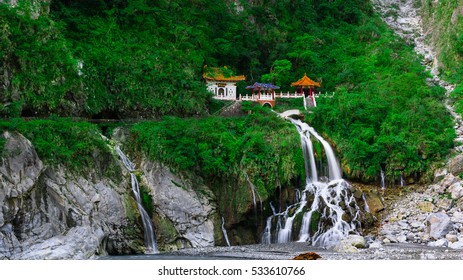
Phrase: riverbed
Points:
(288, 251)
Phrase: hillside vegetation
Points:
(144, 59)
(443, 22)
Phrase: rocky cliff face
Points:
(51, 213)
(185, 214)
(55, 213)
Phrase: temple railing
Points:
(270, 97)
(224, 97)
(288, 95)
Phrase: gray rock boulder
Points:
(345, 247)
(356, 240)
(438, 225)
(20, 169)
(456, 164)
(456, 190)
(457, 217)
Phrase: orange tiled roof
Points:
(216, 74)
(305, 82)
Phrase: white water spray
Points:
(322, 222)
(254, 192)
(383, 180)
(367, 208)
(148, 234)
(402, 181)
(224, 231)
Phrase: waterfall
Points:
(320, 206)
(254, 192)
(402, 181)
(383, 180)
(367, 208)
(224, 231)
(148, 234)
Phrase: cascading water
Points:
(367, 208)
(224, 232)
(383, 180)
(149, 235)
(402, 181)
(322, 206)
(254, 192)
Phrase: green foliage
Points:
(144, 59)
(447, 25)
(279, 73)
(263, 146)
(61, 141)
(283, 104)
(457, 96)
(147, 201)
(401, 134)
(216, 105)
(39, 71)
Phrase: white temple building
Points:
(222, 87)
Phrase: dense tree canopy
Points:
(144, 59)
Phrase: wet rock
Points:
(438, 225)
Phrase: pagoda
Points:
(304, 86)
(265, 94)
(222, 87)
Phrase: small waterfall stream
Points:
(149, 235)
(318, 214)
(383, 179)
(224, 232)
